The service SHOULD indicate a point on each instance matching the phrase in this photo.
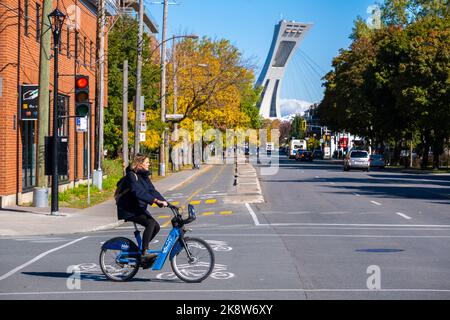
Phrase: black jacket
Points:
(141, 193)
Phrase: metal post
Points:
(55, 173)
(125, 156)
(98, 174)
(162, 160)
(137, 100)
(89, 157)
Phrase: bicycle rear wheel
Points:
(197, 264)
(119, 259)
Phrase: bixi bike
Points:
(192, 259)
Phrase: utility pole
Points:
(98, 174)
(175, 104)
(137, 100)
(125, 155)
(40, 197)
(162, 151)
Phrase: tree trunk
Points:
(426, 149)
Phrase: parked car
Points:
(357, 159)
(318, 154)
(303, 155)
(377, 161)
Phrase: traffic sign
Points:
(82, 124)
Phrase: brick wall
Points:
(21, 69)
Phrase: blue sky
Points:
(249, 25)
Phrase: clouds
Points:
(293, 106)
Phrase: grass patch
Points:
(77, 197)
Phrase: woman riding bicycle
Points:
(132, 206)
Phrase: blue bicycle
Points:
(192, 259)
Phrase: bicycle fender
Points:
(122, 244)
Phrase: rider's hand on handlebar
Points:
(162, 204)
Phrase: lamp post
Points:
(56, 19)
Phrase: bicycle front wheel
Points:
(195, 262)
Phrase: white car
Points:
(357, 159)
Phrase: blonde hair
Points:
(138, 161)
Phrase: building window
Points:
(68, 42)
(38, 22)
(76, 45)
(84, 51)
(63, 123)
(26, 18)
(91, 55)
(28, 155)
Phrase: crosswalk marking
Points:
(211, 201)
(226, 212)
(195, 202)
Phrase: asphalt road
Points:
(321, 234)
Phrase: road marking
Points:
(358, 195)
(205, 187)
(164, 217)
(211, 201)
(207, 214)
(226, 212)
(253, 214)
(376, 203)
(165, 225)
(351, 225)
(403, 215)
(175, 203)
(195, 202)
(39, 257)
(272, 290)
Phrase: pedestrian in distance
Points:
(134, 193)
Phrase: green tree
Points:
(122, 45)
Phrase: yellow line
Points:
(196, 202)
(226, 212)
(211, 201)
(202, 188)
(164, 217)
(165, 225)
(175, 203)
(206, 214)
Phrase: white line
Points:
(228, 291)
(358, 195)
(354, 225)
(403, 215)
(38, 258)
(376, 203)
(253, 214)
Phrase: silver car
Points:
(357, 159)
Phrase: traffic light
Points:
(81, 96)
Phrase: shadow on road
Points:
(92, 277)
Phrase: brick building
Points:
(20, 32)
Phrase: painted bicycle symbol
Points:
(219, 273)
(219, 246)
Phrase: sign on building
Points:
(29, 102)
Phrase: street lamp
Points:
(56, 19)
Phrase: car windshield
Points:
(359, 154)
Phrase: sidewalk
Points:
(247, 188)
(24, 221)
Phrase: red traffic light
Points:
(82, 82)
